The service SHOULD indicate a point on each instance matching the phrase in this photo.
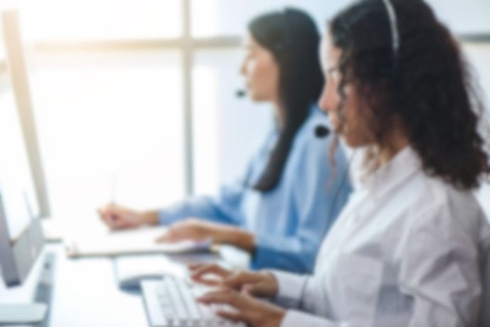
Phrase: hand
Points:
(199, 230)
(118, 217)
(253, 312)
(261, 284)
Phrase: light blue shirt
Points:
(290, 221)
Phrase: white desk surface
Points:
(85, 294)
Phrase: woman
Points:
(408, 248)
(285, 203)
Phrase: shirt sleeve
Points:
(294, 318)
(445, 281)
(290, 289)
(317, 201)
(222, 208)
(293, 294)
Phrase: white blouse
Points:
(407, 250)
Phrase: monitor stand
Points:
(37, 312)
(22, 314)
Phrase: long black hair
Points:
(293, 39)
(425, 84)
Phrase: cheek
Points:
(264, 77)
(357, 132)
(265, 72)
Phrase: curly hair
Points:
(426, 85)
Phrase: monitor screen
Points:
(20, 202)
(21, 237)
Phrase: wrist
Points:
(278, 317)
(237, 237)
(274, 317)
(274, 284)
(149, 217)
(245, 240)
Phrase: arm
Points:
(445, 282)
(439, 278)
(316, 202)
(222, 208)
(292, 290)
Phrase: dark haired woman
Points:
(409, 248)
(285, 203)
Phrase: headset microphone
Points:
(240, 93)
(321, 131)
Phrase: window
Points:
(101, 19)
(126, 95)
(110, 118)
(222, 120)
(211, 18)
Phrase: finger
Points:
(206, 269)
(235, 316)
(214, 282)
(224, 296)
(102, 214)
(209, 282)
(120, 224)
(169, 237)
(238, 279)
(111, 217)
(247, 290)
(195, 266)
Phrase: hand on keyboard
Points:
(243, 308)
(261, 284)
(172, 303)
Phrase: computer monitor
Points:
(18, 252)
(21, 237)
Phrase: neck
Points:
(397, 142)
(279, 112)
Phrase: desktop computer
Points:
(21, 237)
(17, 257)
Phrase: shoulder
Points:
(443, 210)
(307, 137)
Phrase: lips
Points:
(334, 122)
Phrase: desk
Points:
(85, 294)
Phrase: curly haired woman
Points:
(409, 248)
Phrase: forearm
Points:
(202, 207)
(291, 289)
(237, 237)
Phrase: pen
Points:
(113, 194)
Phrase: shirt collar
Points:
(401, 167)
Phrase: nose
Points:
(328, 99)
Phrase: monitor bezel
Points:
(18, 257)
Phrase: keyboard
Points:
(171, 302)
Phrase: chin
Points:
(354, 142)
(257, 98)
